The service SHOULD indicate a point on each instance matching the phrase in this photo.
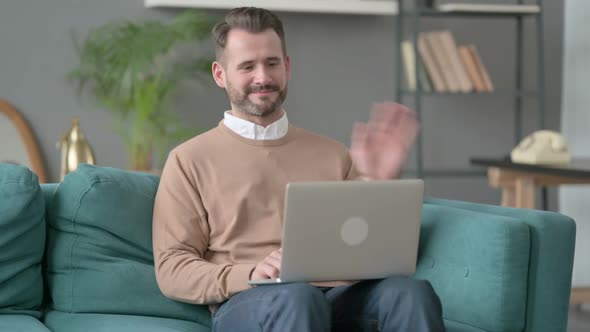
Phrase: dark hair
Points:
(251, 19)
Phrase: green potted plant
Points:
(131, 70)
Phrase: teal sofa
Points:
(77, 257)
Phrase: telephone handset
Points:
(542, 147)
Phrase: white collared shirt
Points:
(251, 130)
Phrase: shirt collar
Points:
(251, 130)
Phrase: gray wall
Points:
(576, 118)
(340, 65)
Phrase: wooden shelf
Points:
(495, 93)
(482, 10)
(357, 7)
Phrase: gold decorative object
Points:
(74, 149)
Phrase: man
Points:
(218, 210)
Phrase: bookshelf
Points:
(411, 16)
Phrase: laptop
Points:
(349, 230)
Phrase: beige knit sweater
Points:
(219, 206)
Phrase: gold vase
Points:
(75, 149)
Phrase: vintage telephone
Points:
(542, 147)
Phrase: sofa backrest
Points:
(99, 253)
(22, 241)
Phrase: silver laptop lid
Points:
(351, 230)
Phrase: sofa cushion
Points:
(100, 256)
(478, 265)
(67, 322)
(22, 241)
(21, 323)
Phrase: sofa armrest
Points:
(478, 265)
(552, 243)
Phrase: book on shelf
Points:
(444, 66)
(472, 69)
(432, 69)
(455, 64)
(442, 60)
(423, 78)
(409, 60)
(481, 68)
(409, 64)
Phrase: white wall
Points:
(574, 201)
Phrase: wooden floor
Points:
(579, 319)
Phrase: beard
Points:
(268, 105)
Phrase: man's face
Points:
(254, 72)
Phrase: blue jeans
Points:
(393, 304)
